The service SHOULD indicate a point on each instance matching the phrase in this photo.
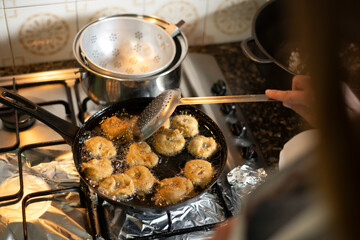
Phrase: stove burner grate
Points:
(23, 121)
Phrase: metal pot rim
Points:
(256, 39)
(162, 23)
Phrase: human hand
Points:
(299, 98)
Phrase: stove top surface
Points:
(47, 156)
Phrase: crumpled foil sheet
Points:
(64, 218)
(59, 216)
(244, 180)
(125, 225)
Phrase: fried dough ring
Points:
(200, 172)
(141, 154)
(187, 125)
(119, 185)
(97, 169)
(202, 147)
(173, 190)
(100, 147)
(142, 178)
(168, 142)
(114, 127)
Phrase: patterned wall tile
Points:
(230, 20)
(91, 10)
(43, 30)
(6, 54)
(42, 33)
(192, 12)
(26, 3)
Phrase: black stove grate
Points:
(69, 108)
(96, 222)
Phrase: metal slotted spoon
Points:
(161, 108)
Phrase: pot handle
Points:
(247, 51)
(174, 29)
(66, 129)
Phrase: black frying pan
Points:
(167, 167)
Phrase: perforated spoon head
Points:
(156, 113)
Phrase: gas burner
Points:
(9, 120)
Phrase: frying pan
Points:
(167, 167)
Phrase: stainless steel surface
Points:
(126, 47)
(207, 72)
(104, 89)
(161, 108)
(49, 163)
(39, 132)
(201, 67)
(224, 99)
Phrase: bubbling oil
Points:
(167, 167)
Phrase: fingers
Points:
(276, 94)
(289, 98)
(299, 101)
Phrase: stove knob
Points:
(238, 129)
(219, 88)
(228, 108)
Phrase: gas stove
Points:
(41, 194)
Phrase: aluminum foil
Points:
(244, 180)
(206, 210)
(59, 216)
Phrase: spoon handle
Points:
(224, 99)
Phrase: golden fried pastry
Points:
(200, 172)
(187, 125)
(141, 154)
(168, 142)
(142, 178)
(114, 127)
(173, 190)
(120, 185)
(97, 169)
(100, 147)
(202, 147)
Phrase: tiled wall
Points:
(34, 31)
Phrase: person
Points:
(316, 195)
(292, 195)
(300, 98)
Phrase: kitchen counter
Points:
(271, 123)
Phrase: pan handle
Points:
(66, 129)
(247, 51)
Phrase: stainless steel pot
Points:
(105, 90)
(270, 46)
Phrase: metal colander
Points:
(126, 47)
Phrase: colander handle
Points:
(174, 29)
